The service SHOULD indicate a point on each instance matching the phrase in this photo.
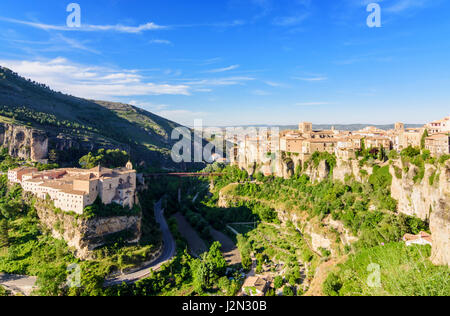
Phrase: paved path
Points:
(167, 254)
(18, 283)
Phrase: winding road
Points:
(167, 254)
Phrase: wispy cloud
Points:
(290, 20)
(160, 41)
(88, 27)
(92, 82)
(260, 92)
(312, 103)
(225, 81)
(218, 70)
(397, 6)
(311, 79)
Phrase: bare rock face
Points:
(440, 227)
(318, 174)
(85, 235)
(24, 142)
(422, 198)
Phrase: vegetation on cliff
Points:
(393, 270)
(365, 209)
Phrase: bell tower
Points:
(129, 165)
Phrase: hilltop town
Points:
(306, 141)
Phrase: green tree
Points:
(278, 282)
(424, 137)
(51, 281)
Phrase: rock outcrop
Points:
(85, 235)
(24, 142)
(440, 227)
(34, 144)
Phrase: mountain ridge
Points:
(104, 124)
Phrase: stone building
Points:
(439, 126)
(73, 189)
(438, 144)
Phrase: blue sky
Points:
(232, 62)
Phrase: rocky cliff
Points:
(427, 199)
(24, 142)
(421, 199)
(35, 144)
(85, 235)
(440, 227)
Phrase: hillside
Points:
(75, 126)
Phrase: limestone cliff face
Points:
(24, 142)
(318, 174)
(423, 198)
(29, 143)
(440, 227)
(346, 168)
(85, 235)
(427, 199)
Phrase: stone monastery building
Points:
(73, 189)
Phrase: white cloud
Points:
(312, 103)
(88, 27)
(311, 79)
(90, 81)
(149, 106)
(160, 41)
(223, 69)
(227, 81)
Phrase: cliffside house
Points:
(439, 126)
(438, 144)
(422, 239)
(73, 189)
(255, 286)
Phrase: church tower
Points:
(129, 165)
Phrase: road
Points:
(169, 249)
(18, 283)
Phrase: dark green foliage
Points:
(422, 140)
(278, 282)
(106, 158)
(98, 209)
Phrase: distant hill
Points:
(76, 126)
(342, 127)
